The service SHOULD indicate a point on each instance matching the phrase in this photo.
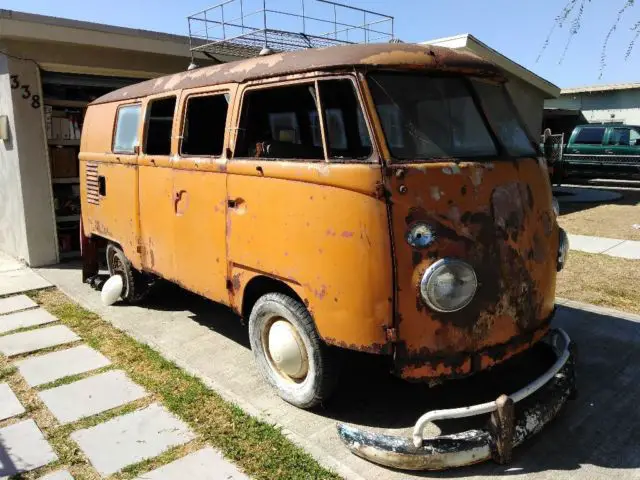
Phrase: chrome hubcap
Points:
(286, 350)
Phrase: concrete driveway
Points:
(597, 436)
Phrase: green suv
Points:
(599, 149)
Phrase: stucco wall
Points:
(620, 106)
(28, 226)
(13, 237)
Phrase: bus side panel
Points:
(320, 229)
(157, 220)
(108, 184)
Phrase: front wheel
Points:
(289, 352)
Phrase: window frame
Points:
(147, 120)
(183, 120)
(136, 148)
(310, 79)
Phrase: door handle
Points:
(608, 151)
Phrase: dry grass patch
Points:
(601, 280)
(610, 220)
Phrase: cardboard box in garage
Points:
(64, 162)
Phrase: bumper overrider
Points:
(538, 403)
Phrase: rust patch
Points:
(510, 204)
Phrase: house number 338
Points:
(26, 91)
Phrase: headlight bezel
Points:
(430, 273)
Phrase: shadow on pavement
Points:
(629, 197)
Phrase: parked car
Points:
(603, 150)
(379, 198)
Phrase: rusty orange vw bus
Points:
(381, 198)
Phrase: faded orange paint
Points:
(335, 232)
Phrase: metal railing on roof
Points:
(243, 28)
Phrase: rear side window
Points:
(204, 125)
(590, 136)
(125, 138)
(159, 125)
(280, 122)
(620, 136)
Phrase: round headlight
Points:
(449, 285)
(556, 206)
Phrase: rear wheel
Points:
(135, 288)
(289, 352)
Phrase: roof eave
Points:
(471, 44)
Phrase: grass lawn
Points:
(611, 220)
(259, 449)
(601, 280)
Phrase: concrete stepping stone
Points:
(23, 448)
(28, 318)
(59, 475)
(16, 303)
(205, 464)
(91, 396)
(131, 438)
(64, 363)
(34, 340)
(23, 280)
(10, 406)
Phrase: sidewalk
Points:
(115, 422)
(607, 246)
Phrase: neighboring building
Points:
(595, 104)
(50, 68)
(528, 90)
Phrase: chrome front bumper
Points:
(541, 401)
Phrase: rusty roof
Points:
(384, 55)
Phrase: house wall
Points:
(616, 105)
(27, 226)
(13, 236)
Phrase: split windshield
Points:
(427, 118)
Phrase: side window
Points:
(634, 138)
(159, 123)
(278, 122)
(590, 136)
(619, 136)
(204, 125)
(346, 129)
(125, 138)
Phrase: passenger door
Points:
(304, 207)
(155, 186)
(199, 189)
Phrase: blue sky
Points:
(516, 28)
